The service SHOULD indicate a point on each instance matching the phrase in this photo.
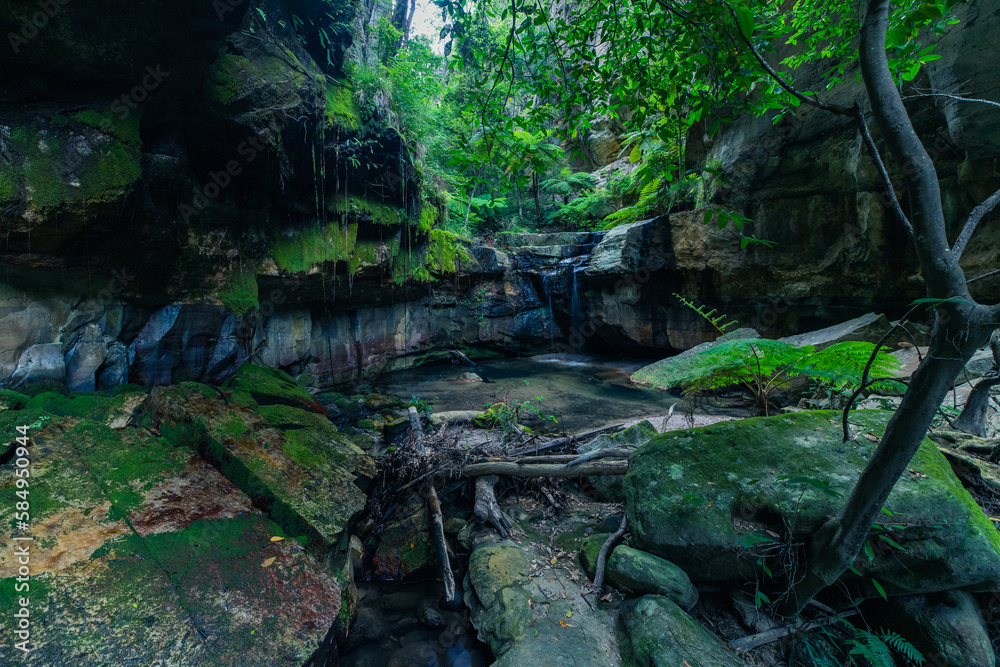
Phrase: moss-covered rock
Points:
(447, 254)
(660, 634)
(270, 442)
(143, 551)
(701, 497)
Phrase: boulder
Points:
(85, 359)
(532, 613)
(621, 251)
(701, 498)
(39, 363)
(158, 548)
(868, 328)
(946, 627)
(653, 374)
(638, 572)
(660, 634)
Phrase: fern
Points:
(870, 647)
(719, 322)
(903, 647)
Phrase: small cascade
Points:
(547, 293)
(576, 301)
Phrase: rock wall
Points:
(187, 187)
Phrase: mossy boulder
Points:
(638, 572)
(609, 488)
(288, 458)
(659, 634)
(144, 553)
(531, 611)
(701, 498)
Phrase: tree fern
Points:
(718, 322)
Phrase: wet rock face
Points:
(702, 498)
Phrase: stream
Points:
(581, 392)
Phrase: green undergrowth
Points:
(240, 293)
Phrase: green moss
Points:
(239, 294)
(231, 76)
(446, 253)
(233, 427)
(224, 77)
(256, 386)
(356, 208)
(314, 246)
(341, 107)
(95, 406)
(125, 466)
(428, 216)
(126, 130)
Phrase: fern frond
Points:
(902, 646)
(871, 647)
(719, 322)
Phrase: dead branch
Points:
(602, 556)
(589, 469)
(613, 453)
(487, 509)
(559, 442)
(417, 432)
(451, 599)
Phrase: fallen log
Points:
(458, 354)
(613, 453)
(559, 442)
(514, 469)
(416, 431)
(451, 599)
(487, 509)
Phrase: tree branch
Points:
(955, 97)
(833, 108)
(890, 191)
(975, 218)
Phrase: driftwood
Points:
(461, 355)
(486, 508)
(602, 556)
(559, 442)
(753, 641)
(451, 599)
(417, 432)
(614, 453)
(590, 469)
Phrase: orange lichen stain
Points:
(77, 536)
(200, 492)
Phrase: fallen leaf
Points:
(277, 538)
(569, 614)
(567, 625)
(269, 562)
(554, 560)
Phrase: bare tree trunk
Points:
(416, 431)
(973, 417)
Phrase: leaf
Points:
(269, 562)
(262, 14)
(744, 19)
(277, 538)
(565, 624)
(881, 591)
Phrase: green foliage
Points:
(845, 644)
(762, 367)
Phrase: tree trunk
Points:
(973, 417)
(960, 327)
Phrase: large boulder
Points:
(146, 554)
(660, 634)
(701, 498)
(946, 627)
(638, 572)
(868, 328)
(653, 375)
